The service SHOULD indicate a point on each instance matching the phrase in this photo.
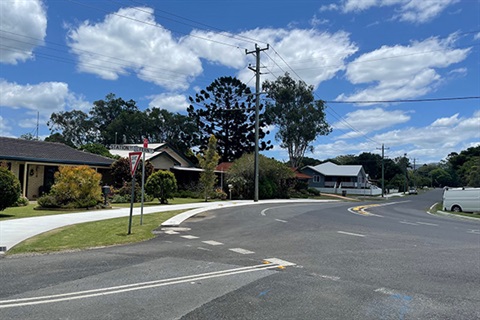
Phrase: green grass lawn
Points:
(94, 234)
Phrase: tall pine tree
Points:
(226, 110)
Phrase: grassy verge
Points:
(94, 234)
(439, 207)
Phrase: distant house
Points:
(165, 157)
(35, 162)
(331, 178)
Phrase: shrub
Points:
(313, 191)
(162, 185)
(75, 187)
(22, 202)
(10, 186)
(48, 201)
(220, 194)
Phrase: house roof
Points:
(48, 152)
(224, 166)
(299, 175)
(331, 169)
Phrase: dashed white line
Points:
(410, 223)
(213, 243)
(474, 231)
(279, 220)
(189, 237)
(171, 232)
(351, 234)
(242, 251)
(428, 224)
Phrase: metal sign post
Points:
(134, 160)
(145, 145)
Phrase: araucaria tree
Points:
(300, 118)
(208, 162)
(226, 110)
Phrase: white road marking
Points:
(175, 229)
(428, 224)
(280, 262)
(130, 287)
(171, 232)
(279, 220)
(410, 223)
(204, 249)
(385, 291)
(189, 237)
(213, 243)
(333, 278)
(474, 231)
(351, 234)
(242, 251)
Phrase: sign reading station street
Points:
(131, 148)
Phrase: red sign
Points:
(134, 161)
(145, 143)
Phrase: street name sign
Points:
(131, 148)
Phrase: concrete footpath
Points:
(15, 231)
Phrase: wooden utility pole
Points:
(383, 170)
(257, 107)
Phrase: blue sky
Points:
(63, 55)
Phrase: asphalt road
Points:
(393, 261)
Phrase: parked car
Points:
(412, 191)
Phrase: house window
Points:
(316, 179)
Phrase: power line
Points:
(404, 100)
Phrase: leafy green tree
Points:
(275, 178)
(10, 186)
(225, 109)
(300, 118)
(75, 127)
(110, 116)
(28, 136)
(441, 177)
(162, 185)
(97, 148)
(473, 177)
(59, 138)
(208, 162)
(178, 130)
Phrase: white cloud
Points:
(402, 72)
(476, 36)
(308, 52)
(416, 11)
(23, 26)
(5, 128)
(118, 46)
(170, 102)
(367, 121)
(429, 143)
(45, 97)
